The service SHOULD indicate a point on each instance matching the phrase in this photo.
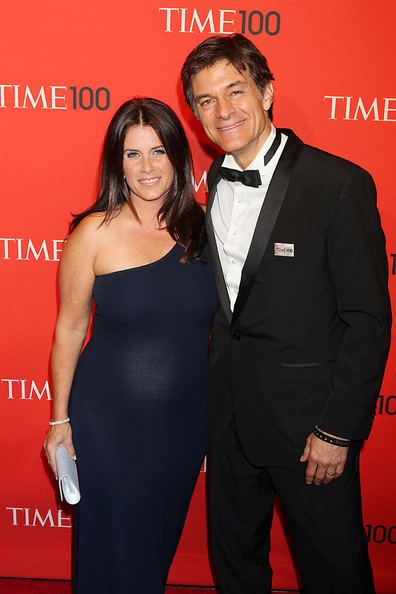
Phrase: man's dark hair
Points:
(237, 50)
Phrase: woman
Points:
(138, 392)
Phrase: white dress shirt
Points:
(235, 211)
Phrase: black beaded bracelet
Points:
(343, 443)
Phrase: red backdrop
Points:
(65, 68)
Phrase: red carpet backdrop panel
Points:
(65, 68)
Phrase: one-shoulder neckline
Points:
(139, 266)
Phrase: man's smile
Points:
(230, 127)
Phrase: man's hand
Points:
(325, 461)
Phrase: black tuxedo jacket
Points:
(308, 339)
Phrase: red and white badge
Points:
(284, 249)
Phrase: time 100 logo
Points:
(87, 98)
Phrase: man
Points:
(301, 338)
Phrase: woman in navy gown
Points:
(132, 407)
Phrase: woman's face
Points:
(147, 169)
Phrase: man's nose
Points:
(224, 108)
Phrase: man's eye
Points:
(205, 102)
(236, 92)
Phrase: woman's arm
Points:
(76, 278)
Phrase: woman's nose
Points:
(147, 164)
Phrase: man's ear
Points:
(268, 96)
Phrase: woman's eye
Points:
(160, 151)
(132, 155)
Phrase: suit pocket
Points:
(306, 372)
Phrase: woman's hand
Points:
(58, 435)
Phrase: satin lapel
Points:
(217, 269)
(267, 218)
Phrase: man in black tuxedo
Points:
(300, 340)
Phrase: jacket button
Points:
(236, 335)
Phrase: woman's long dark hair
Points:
(183, 217)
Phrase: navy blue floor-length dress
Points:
(138, 409)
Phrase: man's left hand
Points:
(325, 461)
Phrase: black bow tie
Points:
(251, 177)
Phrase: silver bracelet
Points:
(59, 422)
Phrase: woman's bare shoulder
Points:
(87, 237)
(91, 228)
(92, 223)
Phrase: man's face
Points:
(232, 110)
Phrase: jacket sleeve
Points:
(358, 266)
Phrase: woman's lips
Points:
(149, 181)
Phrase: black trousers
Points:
(325, 522)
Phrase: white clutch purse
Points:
(67, 476)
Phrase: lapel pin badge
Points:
(284, 249)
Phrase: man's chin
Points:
(230, 146)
